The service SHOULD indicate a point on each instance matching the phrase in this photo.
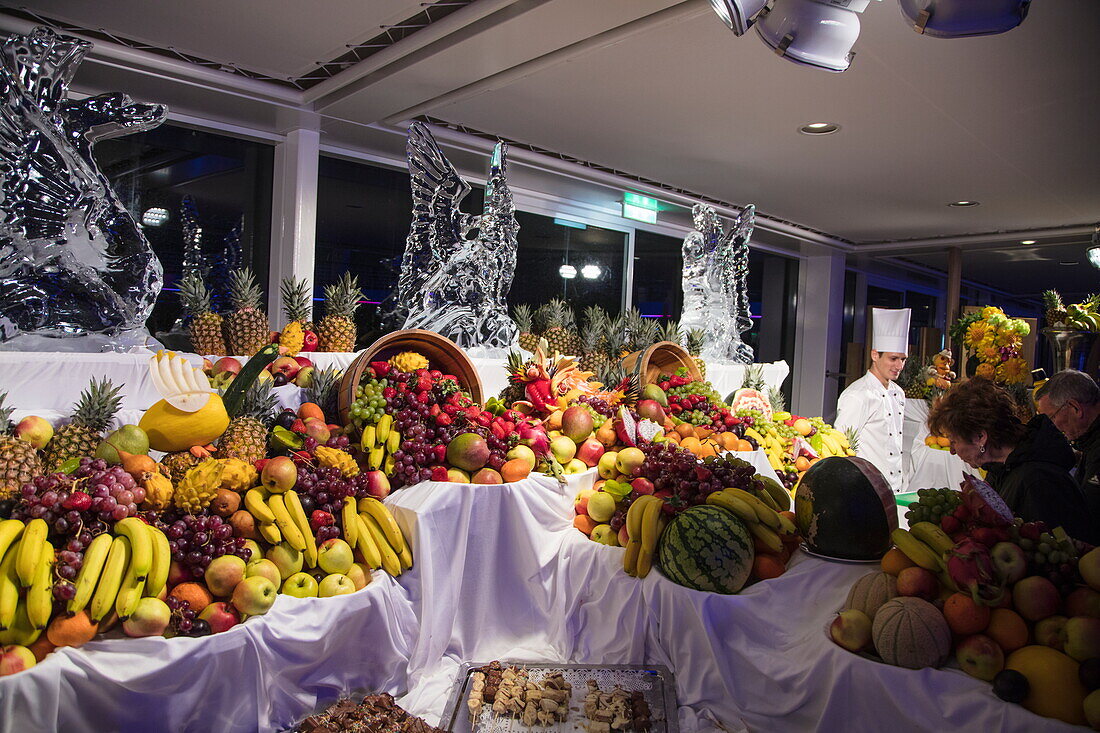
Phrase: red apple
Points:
(228, 365)
(580, 502)
(979, 656)
(178, 573)
(851, 629)
(285, 365)
(309, 341)
(919, 583)
(1036, 598)
(642, 485)
(624, 536)
(486, 476)
(378, 485)
(1084, 601)
(590, 451)
(1009, 561)
(279, 474)
(303, 362)
(221, 616)
(15, 658)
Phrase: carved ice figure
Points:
(452, 283)
(715, 284)
(73, 262)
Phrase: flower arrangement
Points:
(993, 341)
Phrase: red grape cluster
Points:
(597, 404)
(184, 620)
(325, 488)
(115, 493)
(679, 475)
(196, 539)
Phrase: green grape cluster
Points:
(369, 404)
(932, 505)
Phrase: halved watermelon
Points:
(751, 399)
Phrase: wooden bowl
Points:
(442, 354)
(663, 357)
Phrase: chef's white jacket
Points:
(876, 413)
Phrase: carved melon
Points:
(751, 399)
(871, 591)
(910, 632)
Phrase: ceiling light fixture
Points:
(961, 18)
(568, 272)
(1069, 263)
(1027, 241)
(591, 272)
(1093, 252)
(154, 216)
(819, 128)
(738, 15)
(964, 204)
(815, 33)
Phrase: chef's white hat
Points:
(891, 330)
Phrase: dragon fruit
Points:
(985, 505)
(535, 438)
(970, 566)
(626, 428)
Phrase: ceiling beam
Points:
(986, 240)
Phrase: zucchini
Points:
(250, 372)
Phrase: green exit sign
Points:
(640, 208)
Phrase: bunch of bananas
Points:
(375, 533)
(777, 446)
(645, 521)
(761, 518)
(379, 443)
(117, 571)
(828, 441)
(927, 545)
(280, 517)
(1084, 316)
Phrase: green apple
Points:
(606, 466)
(254, 596)
(150, 618)
(524, 453)
(629, 459)
(575, 466)
(266, 568)
(563, 449)
(336, 584)
(223, 573)
(286, 558)
(335, 556)
(359, 574)
(603, 534)
(601, 506)
(300, 585)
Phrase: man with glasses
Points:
(1071, 399)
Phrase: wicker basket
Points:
(663, 357)
(441, 352)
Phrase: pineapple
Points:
(559, 327)
(646, 333)
(298, 308)
(80, 437)
(754, 378)
(1056, 316)
(178, 464)
(323, 391)
(592, 358)
(247, 329)
(524, 319)
(336, 331)
(696, 337)
(205, 326)
(246, 436)
(19, 461)
(615, 342)
(776, 399)
(670, 332)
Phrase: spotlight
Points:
(812, 32)
(1093, 252)
(154, 217)
(961, 18)
(738, 15)
(1027, 241)
(568, 272)
(590, 272)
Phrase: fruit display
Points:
(246, 328)
(1083, 316)
(993, 342)
(1014, 603)
(929, 379)
(845, 509)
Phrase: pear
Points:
(128, 439)
(655, 393)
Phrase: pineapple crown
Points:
(97, 405)
(324, 389)
(852, 434)
(754, 377)
(259, 402)
(590, 339)
(297, 299)
(1052, 299)
(670, 331)
(776, 399)
(616, 340)
(515, 366)
(193, 295)
(523, 317)
(696, 337)
(595, 317)
(244, 292)
(342, 299)
(5, 415)
(557, 314)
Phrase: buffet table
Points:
(500, 573)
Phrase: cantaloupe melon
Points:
(871, 591)
(910, 632)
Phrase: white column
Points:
(293, 215)
(817, 334)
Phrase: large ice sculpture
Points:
(453, 283)
(73, 262)
(715, 283)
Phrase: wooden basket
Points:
(663, 357)
(442, 354)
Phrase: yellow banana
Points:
(372, 556)
(779, 495)
(388, 465)
(270, 533)
(634, 533)
(285, 523)
(751, 433)
(932, 536)
(95, 557)
(390, 562)
(385, 520)
(406, 557)
(10, 531)
(110, 580)
(728, 501)
(30, 550)
(40, 594)
(393, 443)
(141, 545)
(787, 526)
(764, 496)
(9, 587)
(298, 516)
(649, 528)
(382, 429)
(766, 535)
(369, 439)
(254, 503)
(130, 591)
(347, 518)
(764, 513)
(162, 563)
(376, 457)
(916, 550)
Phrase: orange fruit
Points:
(196, 595)
(685, 430)
(944, 442)
(964, 616)
(1007, 628)
(801, 463)
(584, 523)
(707, 448)
(311, 409)
(728, 441)
(75, 630)
(766, 566)
(692, 444)
(894, 561)
(516, 469)
(745, 446)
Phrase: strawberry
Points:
(440, 452)
(424, 384)
(298, 426)
(320, 519)
(381, 368)
(443, 419)
(439, 473)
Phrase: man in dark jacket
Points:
(1071, 399)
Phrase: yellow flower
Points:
(976, 332)
(986, 371)
(991, 310)
(1007, 338)
(990, 354)
(1013, 371)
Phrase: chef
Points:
(874, 404)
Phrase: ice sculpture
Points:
(73, 262)
(715, 284)
(453, 283)
(193, 261)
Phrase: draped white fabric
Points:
(501, 574)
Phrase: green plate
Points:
(906, 499)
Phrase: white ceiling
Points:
(660, 89)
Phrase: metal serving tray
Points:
(656, 682)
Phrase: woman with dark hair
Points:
(1028, 464)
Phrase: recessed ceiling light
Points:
(964, 203)
(1067, 263)
(1027, 241)
(819, 128)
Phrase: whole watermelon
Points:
(706, 548)
(844, 509)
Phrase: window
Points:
(229, 182)
(658, 269)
